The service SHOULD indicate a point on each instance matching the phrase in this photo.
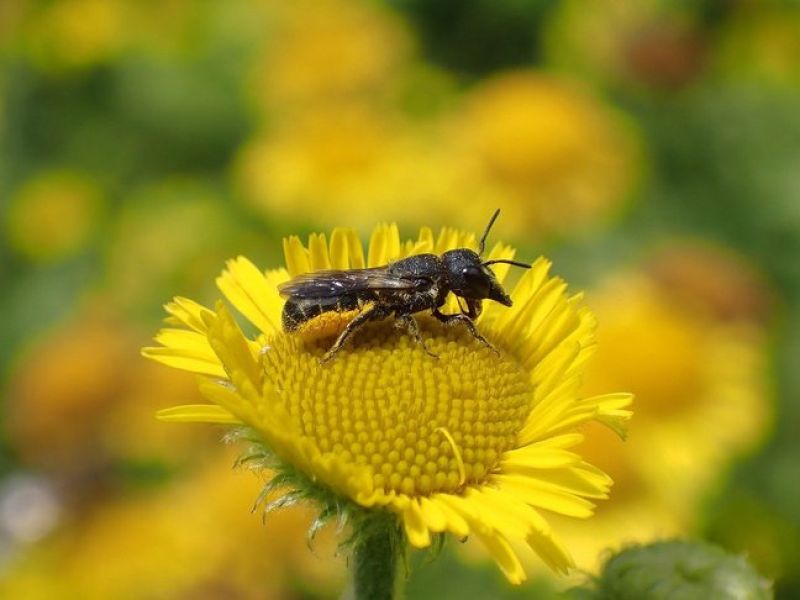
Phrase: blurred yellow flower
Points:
(310, 163)
(552, 157)
(473, 443)
(194, 538)
(354, 160)
(558, 156)
(321, 51)
(81, 373)
(68, 34)
(53, 215)
(761, 40)
(697, 364)
(71, 378)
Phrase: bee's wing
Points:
(325, 284)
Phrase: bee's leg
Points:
(371, 314)
(462, 318)
(474, 308)
(411, 325)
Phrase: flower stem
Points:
(375, 556)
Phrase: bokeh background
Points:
(650, 148)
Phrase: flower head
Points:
(53, 215)
(682, 333)
(560, 157)
(472, 443)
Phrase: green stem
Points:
(375, 556)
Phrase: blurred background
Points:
(651, 149)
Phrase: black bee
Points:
(401, 288)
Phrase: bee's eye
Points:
(476, 282)
(471, 272)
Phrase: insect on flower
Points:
(400, 289)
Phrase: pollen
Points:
(419, 424)
(327, 325)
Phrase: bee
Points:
(400, 289)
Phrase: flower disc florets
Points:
(471, 443)
(419, 424)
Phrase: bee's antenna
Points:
(507, 262)
(485, 233)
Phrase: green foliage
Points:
(676, 569)
(476, 37)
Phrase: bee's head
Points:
(470, 277)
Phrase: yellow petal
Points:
(318, 252)
(228, 400)
(503, 555)
(539, 458)
(543, 494)
(531, 281)
(416, 530)
(191, 342)
(297, 259)
(339, 250)
(505, 515)
(455, 522)
(611, 411)
(532, 525)
(197, 413)
(432, 514)
(581, 480)
(355, 250)
(425, 241)
(384, 245)
(500, 250)
(247, 289)
(447, 240)
(232, 347)
(178, 359)
(187, 312)
(551, 551)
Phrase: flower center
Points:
(420, 424)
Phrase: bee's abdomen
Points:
(294, 314)
(297, 311)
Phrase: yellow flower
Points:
(72, 376)
(183, 540)
(323, 50)
(76, 34)
(692, 358)
(80, 373)
(353, 159)
(325, 162)
(54, 215)
(558, 156)
(472, 443)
